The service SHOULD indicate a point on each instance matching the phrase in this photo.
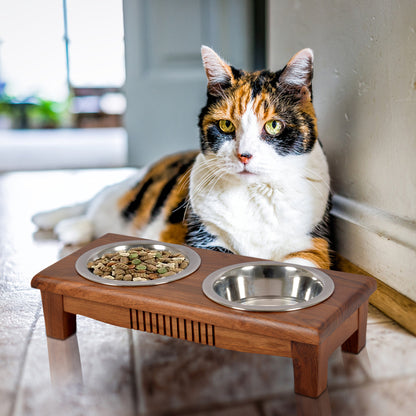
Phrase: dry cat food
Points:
(138, 264)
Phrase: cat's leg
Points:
(70, 224)
(47, 220)
(220, 249)
(102, 216)
(198, 236)
(81, 223)
(75, 230)
(317, 256)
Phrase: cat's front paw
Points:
(300, 262)
(47, 220)
(220, 249)
(77, 230)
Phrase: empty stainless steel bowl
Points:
(267, 286)
(97, 252)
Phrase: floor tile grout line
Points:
(389, 322)
(18, 386)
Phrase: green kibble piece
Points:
(141, 267)
(162, 270)
(158, 255)
(136, 261)
(133, 256)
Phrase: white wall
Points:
(365, 97)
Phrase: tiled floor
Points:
(105, 370)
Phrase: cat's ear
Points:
(299, 70)
(219, 73)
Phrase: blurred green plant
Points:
(33, 112)
(46, 113)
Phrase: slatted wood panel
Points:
(171, 326)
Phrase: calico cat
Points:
(258, 186)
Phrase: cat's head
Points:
(255, 121)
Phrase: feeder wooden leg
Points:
(310, 368)
(59, 324)
(356, 342)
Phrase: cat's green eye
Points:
(226, 126)
(273, 127)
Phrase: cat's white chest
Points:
(254, 220)
(246, 209)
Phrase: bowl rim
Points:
(208, 287)
(83, 259)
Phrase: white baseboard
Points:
(380, 243)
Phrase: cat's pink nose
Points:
(245, 157)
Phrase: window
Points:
(33, 58)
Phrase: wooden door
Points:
(165, 80)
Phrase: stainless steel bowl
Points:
(267, 286)
(96, 253)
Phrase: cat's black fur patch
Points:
(237, 73)
(220, 249)
(197, 235)
(265, 81)
(166, 190)
(173, 169)
(291, 141)
(178, 213)
(131, 208)
(323, 229)
(215, 139)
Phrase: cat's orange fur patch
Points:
(174, 233)
(319, 254)
(155, 170)
(159, 174)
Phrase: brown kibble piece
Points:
(184, 264)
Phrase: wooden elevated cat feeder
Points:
(180, 309)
